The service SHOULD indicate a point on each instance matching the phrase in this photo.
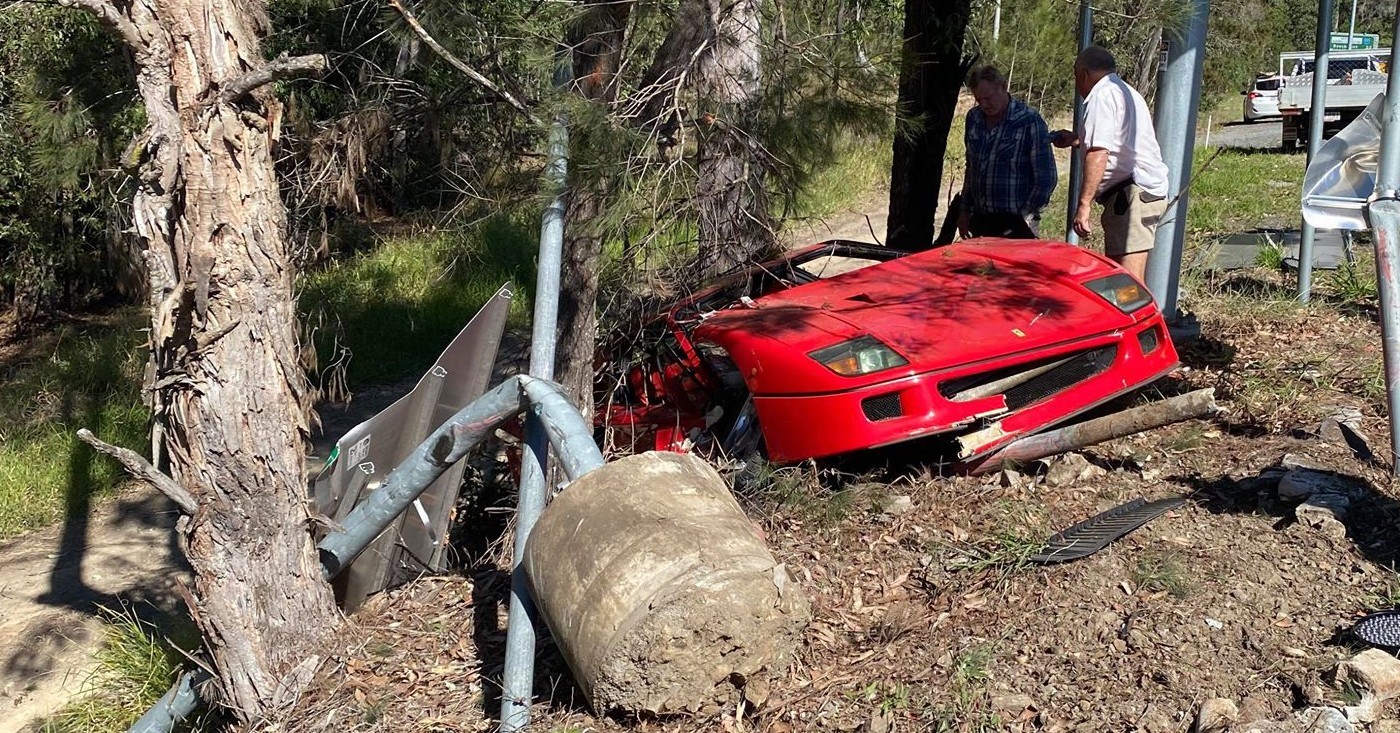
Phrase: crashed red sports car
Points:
(842, 346)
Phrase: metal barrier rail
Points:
(569, 435)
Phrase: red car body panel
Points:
(961, 316)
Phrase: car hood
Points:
(946, 307)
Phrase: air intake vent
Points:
(882, 407)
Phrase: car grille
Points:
(881, 407)
(1046, 378)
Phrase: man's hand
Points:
(964, 225)
(1082, 227)
(1064, 139)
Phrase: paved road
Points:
(1267, 134)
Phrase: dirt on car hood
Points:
(947, 307)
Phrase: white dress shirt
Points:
(1116, 119)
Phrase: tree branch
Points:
(142, 469)
(112, 18)
(461, 66)
(282, 67)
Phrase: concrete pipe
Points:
(661, 594)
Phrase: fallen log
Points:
(660, 592)
(1080, 435)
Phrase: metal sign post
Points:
(1178, 101)
(1076, 155)
(1316, 115)
(1384, 214)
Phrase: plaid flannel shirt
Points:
(1010, 167)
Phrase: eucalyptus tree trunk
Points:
(736, 225)
(596, 40)
(929, 79)
(229, 395)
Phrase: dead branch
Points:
(282, 67)
(108, 14)
(142, 469)
(1073, 437)
(460, 65)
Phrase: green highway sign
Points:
(1359, 41)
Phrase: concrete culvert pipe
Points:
(661, 594)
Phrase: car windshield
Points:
(1266, 85)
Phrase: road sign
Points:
(1359, 41)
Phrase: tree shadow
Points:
(92, 374)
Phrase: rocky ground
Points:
(928, 617)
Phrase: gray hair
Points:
(1096, 58)
(984, 74)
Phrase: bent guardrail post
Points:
(565, 427)
(173, 706)
(518, 677)
(1384, 216)
(568, 434)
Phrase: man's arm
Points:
(1095, 163)
(1044, 175)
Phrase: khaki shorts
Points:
(1129, 223)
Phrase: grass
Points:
(963, 710)
(861, 166)
(390, 311)
(1162, 571)
(79, 375)
(135, 666)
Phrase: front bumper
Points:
(1064, 381)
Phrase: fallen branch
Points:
(460, 65)
(142, 469)
(1073, 437)
(282, 67)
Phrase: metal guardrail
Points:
(568, 434)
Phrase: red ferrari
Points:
(842, 346)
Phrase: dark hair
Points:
(1096, 58)
(984, 74)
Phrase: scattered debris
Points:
(1216, 715)
(1375, 676)
(1071, 468)
(1096, 533)
(1379, 629)
(1325, 513)
(896, 505)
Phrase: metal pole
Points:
(1384, 214)
(1351, 30)
(1076, 155)
(518, 679)
(1178, 101)
(1316, 114)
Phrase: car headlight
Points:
(1125, 293)
(864, 355)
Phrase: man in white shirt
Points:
(1123, 168)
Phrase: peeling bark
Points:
(736, 226)
(229, 396)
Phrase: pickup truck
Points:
(1354, 78)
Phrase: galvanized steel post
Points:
(1384, 215)
(1076, 156)
(518, 681)
(1316, 114)
(1178, 100)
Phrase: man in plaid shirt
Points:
(1010, 167)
